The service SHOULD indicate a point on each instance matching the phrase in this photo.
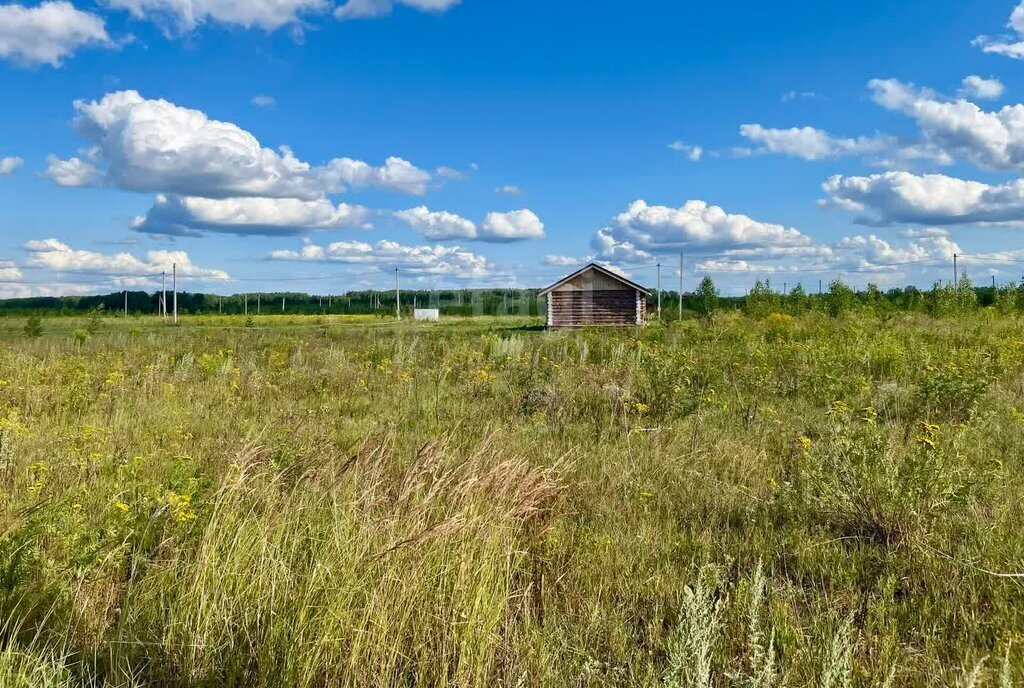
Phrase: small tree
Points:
(875, 299)
(95, 320)
(707, 296)
(34, 326)
(941, 300)
(762, 300)
(1008, 298)
(966, 297)
(797, 301)
(841, 299)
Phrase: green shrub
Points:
(34, 326)
(840, 298)
(951, 392)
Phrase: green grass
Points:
(353, 501)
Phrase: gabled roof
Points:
(599, 268)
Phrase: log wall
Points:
(608, 307)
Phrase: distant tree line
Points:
(450, 302)
(942, 299)
(762, 299)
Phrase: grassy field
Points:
(348, 501)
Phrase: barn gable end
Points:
(595, 296)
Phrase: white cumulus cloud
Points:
(809, 143)
(185, 15)
(47, 33)
(73, 172)
(563, 261)
(958, 127)
(518, 225)
(423, 260)
(1009, 46)
(691, 153)
(9, 270)
(872, 251)
(365, 9)
(395, 174)
(930, 199)
(612, 246)
(157, 146)
(438, 225)
(55, 255)
(975, 86)
(10, 165)
(643, 230)
(195, 216)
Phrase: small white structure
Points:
(429, 314)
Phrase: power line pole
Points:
(398, 296)
(174, 279)
(163, 292)
(819, 287)
(258, 303)
(282, 304)
(993, 282)
(659, 290)
(955, 279)
(680, 287)
(245, 303)
(126, 303)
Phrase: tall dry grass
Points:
(745, 502)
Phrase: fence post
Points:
(659, 290)
(174, 279)
(680, 287)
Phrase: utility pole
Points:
(955, 277)
(258, 303)
(174, 279)
(680, 287)
(220, 305)
(819, 287)
(398, 296)
(163, 292)
(282, 304)
(993, 282)
(245, 301)
(126, 303)
(659, 290)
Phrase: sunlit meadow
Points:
(743, 501)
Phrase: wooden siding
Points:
(592, 280)
(608, 307)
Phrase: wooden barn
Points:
(595, 295)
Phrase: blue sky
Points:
(482, 143)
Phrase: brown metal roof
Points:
(593, 266)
